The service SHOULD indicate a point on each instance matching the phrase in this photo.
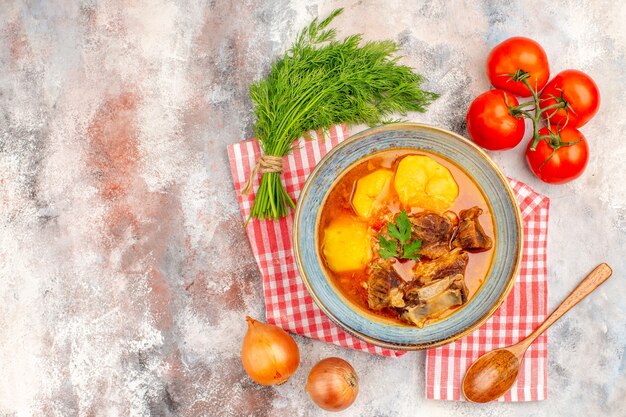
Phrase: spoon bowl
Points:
(491, 376)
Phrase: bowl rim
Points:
(372, 340)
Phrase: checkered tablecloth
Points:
(290, 306)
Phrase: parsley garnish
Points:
(388, 247)
(411, 250)
(402, 229)
(401, 232)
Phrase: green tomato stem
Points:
(536, 117)
(522, 106)
(523, 111)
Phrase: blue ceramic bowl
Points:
(507, 229)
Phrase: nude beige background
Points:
(125, 274)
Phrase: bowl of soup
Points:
(407, 236)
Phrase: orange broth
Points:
(338, 202)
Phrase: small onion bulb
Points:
(269, 354)
(333, 384)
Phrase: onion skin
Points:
(333, 384)
(269, 354)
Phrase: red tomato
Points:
(490, 124)
(562, 165)
(514, 54)
(579, 92)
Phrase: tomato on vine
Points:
(570, 99)
(518, 55)
(495, 120)
(490, 123)
(559, 156)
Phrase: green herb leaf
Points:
(403, 230)
(388, 248)
(393, 231)
(411, 250)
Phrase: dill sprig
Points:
(320, 82)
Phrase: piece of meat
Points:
(426, 292)
(434, 231)
(471, 235)
(415, 293)
(452, 218)
(452, 263)
(383, 289)
(434, 299)
(420, 313)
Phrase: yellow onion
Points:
(333, 384)
(269, 354)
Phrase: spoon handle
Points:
(600, 274)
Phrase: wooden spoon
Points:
(493, 374)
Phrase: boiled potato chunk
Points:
(347, 244)
(423, 182)
(370, 190)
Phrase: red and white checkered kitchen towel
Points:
(522, 311)
(290, 306)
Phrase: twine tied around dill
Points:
(266, 163)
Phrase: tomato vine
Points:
(522, 110)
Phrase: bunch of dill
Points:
(321, 82)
